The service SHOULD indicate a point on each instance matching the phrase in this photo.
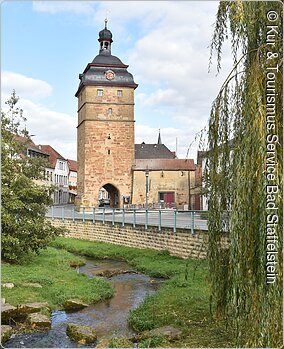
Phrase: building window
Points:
(108, 151)
(166, 197)
(100, 93)
(119, 93)
(109, 111)
(61, 165)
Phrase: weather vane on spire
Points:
(106, 20)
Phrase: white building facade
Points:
(61, 193)
(57, 175)
(72, 180)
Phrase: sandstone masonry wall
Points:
(181, 244)
(164, 181)
(105, 137)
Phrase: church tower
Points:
(105, 131)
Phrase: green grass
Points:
(153, 263)
(120, 342)
(182, 301)
(51, 268)
(152, 342)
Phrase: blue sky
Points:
(46, 44)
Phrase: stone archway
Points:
(113, 195)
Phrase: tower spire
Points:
(105, 40)
(159, 137)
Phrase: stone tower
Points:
(105, 131)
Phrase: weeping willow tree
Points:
(246, 116)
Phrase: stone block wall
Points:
(105, 138)
(181, 244)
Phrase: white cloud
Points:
(47, 126)
(25, 86)
(77, 7)
(161, 97)
(172, 61)
(169, 57)
(51, 127)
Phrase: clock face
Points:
(109, 74)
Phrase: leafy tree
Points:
(24, 228)
(238, 129)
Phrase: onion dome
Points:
(105, 40)
(105, 34)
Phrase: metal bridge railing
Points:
(174, 219)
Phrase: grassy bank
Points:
(182, 301)
(51, 269)
(153, 263)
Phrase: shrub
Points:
(24, 202)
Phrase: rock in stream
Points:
(107, 318)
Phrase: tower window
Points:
(100, 93)
(108, 151)
(119, 93)
(109, 111)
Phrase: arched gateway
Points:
(105, 132)
(109, 196)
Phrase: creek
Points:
(108, 318)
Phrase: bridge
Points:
(161, 218)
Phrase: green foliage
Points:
(51, 269)
(24, 202)
(236, 175)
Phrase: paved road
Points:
(164, 218)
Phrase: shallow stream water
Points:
(108, 318)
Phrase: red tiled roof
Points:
(23, 140)
(73, 165)
(53, 154)
(164, 164)
(28, 143)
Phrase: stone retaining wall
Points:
(182, 244)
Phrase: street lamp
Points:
(147, 186)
